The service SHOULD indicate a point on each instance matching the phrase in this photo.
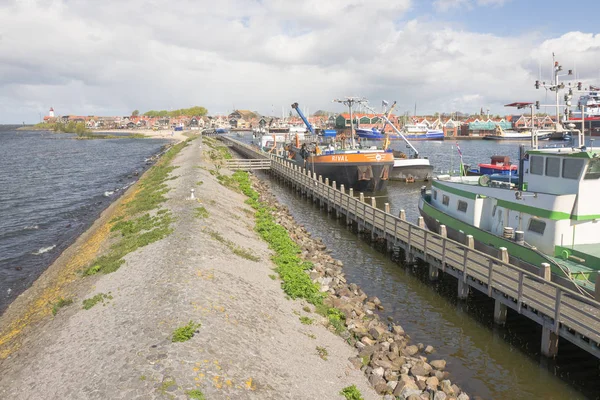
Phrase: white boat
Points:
(549, 214)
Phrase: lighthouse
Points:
(51, 112)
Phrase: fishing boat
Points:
(421, 132)
(498, 165)
(364, 170)
(407, 167)
(549, 214)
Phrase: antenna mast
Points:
(350, 102)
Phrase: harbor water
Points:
(485, 360)
(52, 188)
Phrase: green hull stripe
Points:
(468, 195)
(538, 212)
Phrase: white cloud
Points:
(110, 57)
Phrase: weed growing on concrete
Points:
(310, 335)
(195, 394)
(199, 183)
(201, 212)
(351, 393)
(60, 303)
(235, 249)
(291, 268)
(167, 384)
(92, 301)
(143, 378)
(306, 308)
(322, 352)
(306, 320)
(185, 333)
(138, 231)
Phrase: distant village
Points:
(452, 125)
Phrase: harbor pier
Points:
(561, 312)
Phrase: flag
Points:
(594, 87)
(384, 103)
(462, 167)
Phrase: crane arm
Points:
(308, 125)
(394, 128)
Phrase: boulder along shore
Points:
(181, 299)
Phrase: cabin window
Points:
(462, 206)
(572, 168)
(435, 194)
(593, 171)
(537, 226)
(553, 166)
(536, 165)
(445, 200)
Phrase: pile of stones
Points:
(396, 368)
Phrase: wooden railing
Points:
(558, 309)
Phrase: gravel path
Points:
(250, 345)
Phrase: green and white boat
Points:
(549, 214)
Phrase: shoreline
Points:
(243, 347)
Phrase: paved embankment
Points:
(250, 342)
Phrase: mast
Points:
(350, 101)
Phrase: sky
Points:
(110, 57)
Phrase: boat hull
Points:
(363, 172)
(411, 169)
(488, 243)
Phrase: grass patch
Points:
(351, 393)
(322, 352)
(92, 301)
(310, 335)
(143, 378)
(335, 317)
(201, 212)
(195, 394)
(185, 333)
(235, 249)
(167, 384)
(306, 309)
(138, 228)
(199, 183)
(273, 276)
(60, 303)
(306, 320)
(295, 282)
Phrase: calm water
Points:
(51, 189)
(486, 360)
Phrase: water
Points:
(51, 189)
(486, 360)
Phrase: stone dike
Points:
(395, 367)
(172, 294)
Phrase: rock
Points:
(398, 330)
(383, 363)
(432, 382)
(463, 396)
(446, 387)
(440, 365)
(377, 332)
(420, 346)
(378, 371)
(420, 369)
(405, 382)
(390, 376)
(367, 341)
(440, 396)
(440, 375)
(389, 397)
(385, 346)
(428, 349)
(412, 394)
(421, 385)
(375, 300)
(356, 362)
(382, 387)
(455, 389)
(376, 379)
(392, 385)
(410, 350)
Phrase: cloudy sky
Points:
(110, 57)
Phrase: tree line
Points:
(188, 112)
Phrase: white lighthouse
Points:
(51, 112)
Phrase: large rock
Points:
(378, 371)
(367, 341)
(405, 382)
(446, 387)
(440, 365)
(410, 350)
(382, 388)
(398, 330)
(377, 332)
(376, 379)
(440, 396)
(463, 396)
(429, 349)
(432, 382)
(420, 369)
